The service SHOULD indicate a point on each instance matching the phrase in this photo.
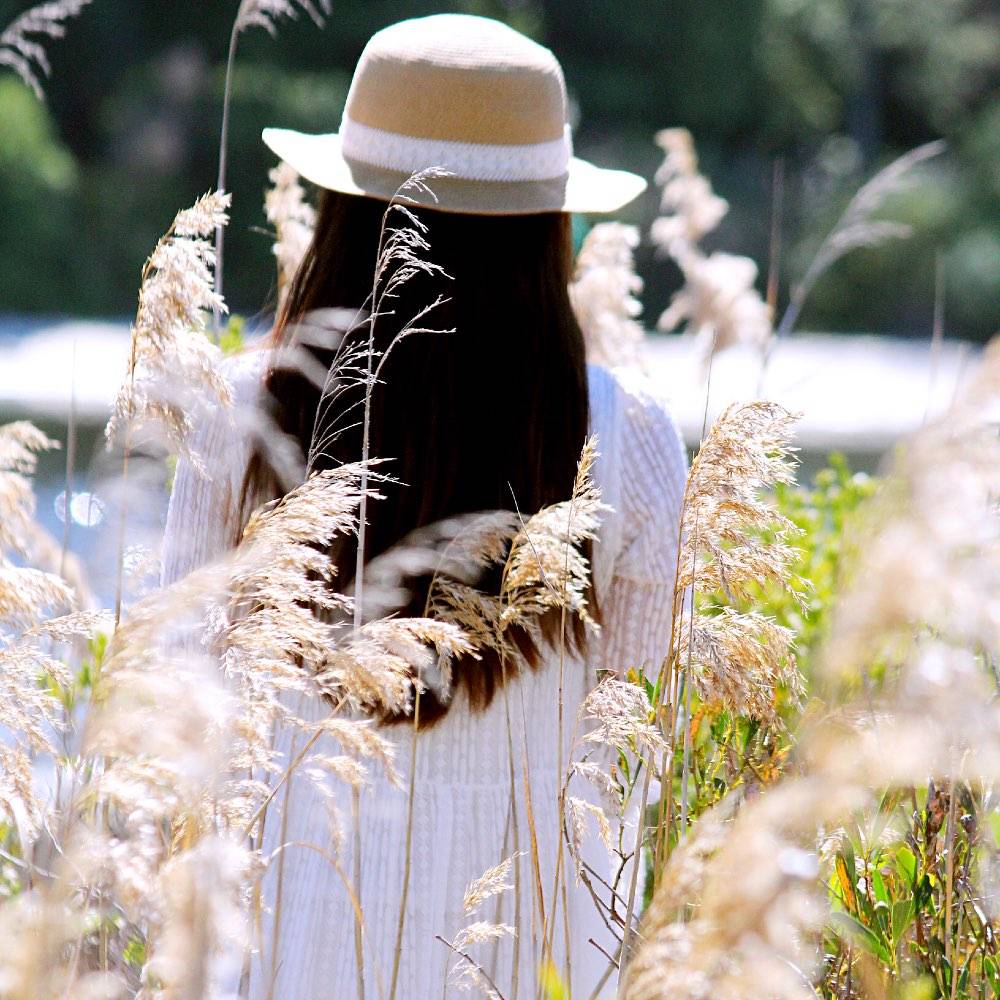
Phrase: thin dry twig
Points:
(857, 226)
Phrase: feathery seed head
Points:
(622, 717)
(467, 973)
(604, 295)
(739, 659)
(173, 368)
(26, 56)
(20, 443)
(718, 302)
(491, 883)
(689, 207)
(266, 13)
(934, 532)
(293, 219)
(545, 568)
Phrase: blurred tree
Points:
(38, 182)
(835, 87)
(855, 82)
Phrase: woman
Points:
(489, 411)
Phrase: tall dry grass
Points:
(140, 871)
(834, 838)
(770, 896)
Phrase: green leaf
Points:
(906, 863)
(864, 937)
(231, 337)
(847, 853)
(846, 880)
(903, 912)
(992, 974)
(878, 887)
(994, 819)
(135, 953)
(551, 981)
(921, 988)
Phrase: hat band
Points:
(475, 161)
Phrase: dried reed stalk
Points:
(857, 226)
(734, 541)
(251, 14)
(294, 220)
(173, 370)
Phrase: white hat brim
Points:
(586, 188)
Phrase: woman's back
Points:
(487, 784)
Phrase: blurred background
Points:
(823, 93)
(834, 88)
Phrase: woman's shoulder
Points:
(224, 428)
(626, 402)
(626, 385)
(647, 465)
(244, 371)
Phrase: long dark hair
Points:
(470, 420)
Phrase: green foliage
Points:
(734, 755)
(231, 337)
(135, 953)
(891, 873)
(835, 87)
(90, 669)
(825, 513)
(11, 880)
(29, 148)
(85, 680)
(39, 182)
(900, 909)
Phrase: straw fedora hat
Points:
(469, 96)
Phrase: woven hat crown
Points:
(470, 99)
(459, 78)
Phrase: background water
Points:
(858, 395)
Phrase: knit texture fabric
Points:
(472, 770)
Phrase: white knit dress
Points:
(465, 819)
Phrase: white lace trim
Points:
(475, 161)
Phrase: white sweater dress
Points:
(464, 819)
